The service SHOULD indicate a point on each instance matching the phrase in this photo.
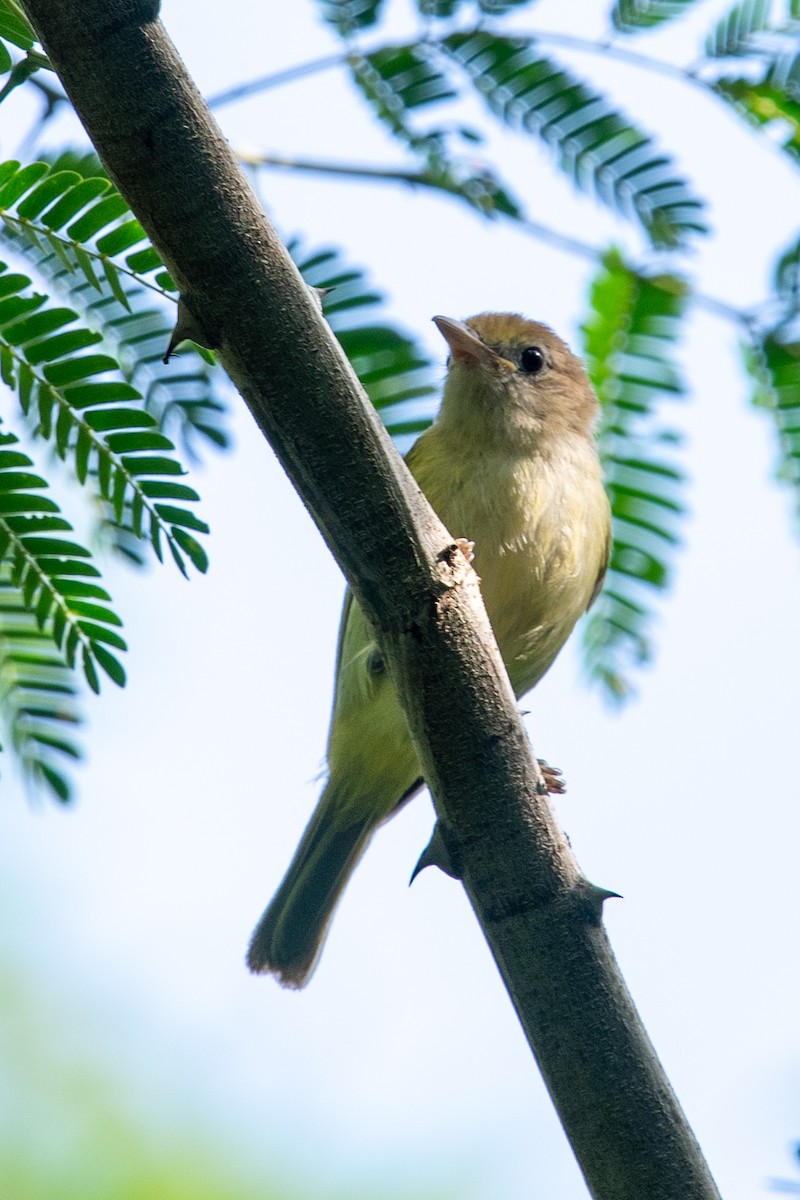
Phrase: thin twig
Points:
(536, 229)
(569, 41)
(265, 82)
(633, 57)
(346, 170)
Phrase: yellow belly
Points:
(537, 553)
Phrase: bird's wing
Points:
(601, 574)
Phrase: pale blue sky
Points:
(403, 1060)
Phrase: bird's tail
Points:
(288, 939)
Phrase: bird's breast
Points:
(540, 528)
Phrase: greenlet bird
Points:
(510, 464)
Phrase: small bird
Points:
(510, 464)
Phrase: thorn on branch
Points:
(440, 852)
(187, 329)
(318, 294)
(596, 897)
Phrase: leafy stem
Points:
(265, 83)
(609, 49)
(84, 255)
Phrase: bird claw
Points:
(554, 782)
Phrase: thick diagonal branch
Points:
(541, 918)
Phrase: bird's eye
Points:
(532, 360)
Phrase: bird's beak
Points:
(465, 345)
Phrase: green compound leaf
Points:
(630, 345)
(736, 32)
(773, 362)
(39, 709)
(764, 104)
(39, 567)
(633, 16)
(396, 81)
(599, 149)
(767, 94)
(68, 220)
(446, 8)
(95, 418)
(349, 16)
(787, 279)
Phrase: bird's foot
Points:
(467, 548)
(554, 782)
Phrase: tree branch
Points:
(541, 918)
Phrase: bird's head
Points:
(511, 378)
